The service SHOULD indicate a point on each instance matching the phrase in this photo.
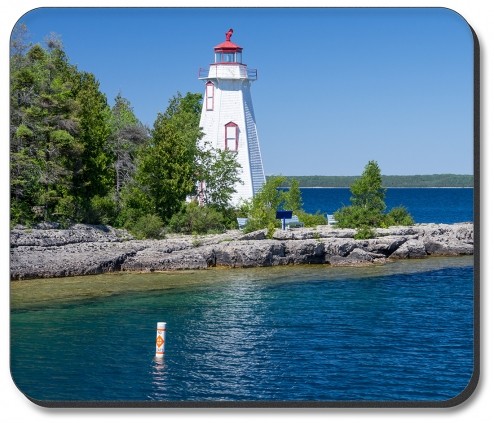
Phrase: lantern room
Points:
(228, 52)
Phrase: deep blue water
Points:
(302, 335)
(426, 205)
(399, 332)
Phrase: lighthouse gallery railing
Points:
(244, 73)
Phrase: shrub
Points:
(311, 220)
(364, 233)
(399, 216)
(103, 210)
(148, 226)
(196, 219)
(358, 217)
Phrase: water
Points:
(398, 332)
(426, 205)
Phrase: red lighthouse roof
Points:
(227, 45)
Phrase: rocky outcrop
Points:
(87, 249)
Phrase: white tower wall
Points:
(232, 102)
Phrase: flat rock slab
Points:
(89, 249)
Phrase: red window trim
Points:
(209, 84)
(231, 125)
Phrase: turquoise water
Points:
(400, 332)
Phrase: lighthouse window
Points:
(209, 95)
(231, 136)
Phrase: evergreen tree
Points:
(368, 205)
(167, 170)
(93, 173)
(44, 128)
(59, 128)
(367, 191)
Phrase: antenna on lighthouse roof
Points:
(229, 34)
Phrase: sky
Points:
(336, 88)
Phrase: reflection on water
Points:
(402, 331)
(158, 373)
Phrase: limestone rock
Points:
(357, 257)
(90, 249)
(413, 248)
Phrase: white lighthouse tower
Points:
(227, 117)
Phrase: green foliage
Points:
(95, 174)
(166, 168)
(357, 217)
(367, 209)
(399, 216)
(103, 210)
(196, 219)
(218, 170)
(367, 191)
(136, 203)
(127, 135)
(23, 132)
(59, 130)
(364, 232)
(311, 220)
(293, 199)
(65, 210)
(368, 206)
(149, 226)
(267, 200)
(262, 209)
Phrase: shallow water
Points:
(402, 331)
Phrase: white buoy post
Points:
(160, 339)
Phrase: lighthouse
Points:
(227, 118)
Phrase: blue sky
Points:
(336, 87)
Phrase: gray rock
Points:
(339, 247)
(305, 252)
(249, 253)
(89, 249)
(357, 257)
(385, 245)
(256, 235)
(412, 248)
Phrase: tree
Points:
(127, 135)
(262, 211)
(367, 209)
(166, 169)
(367, 191)
(294, 196)
(93, 172)
(59, 130)
(368, 205)
(44, 130)
(218, 172)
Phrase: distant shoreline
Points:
(388, 187)
(388, 181)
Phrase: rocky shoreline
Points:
(89, 249)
